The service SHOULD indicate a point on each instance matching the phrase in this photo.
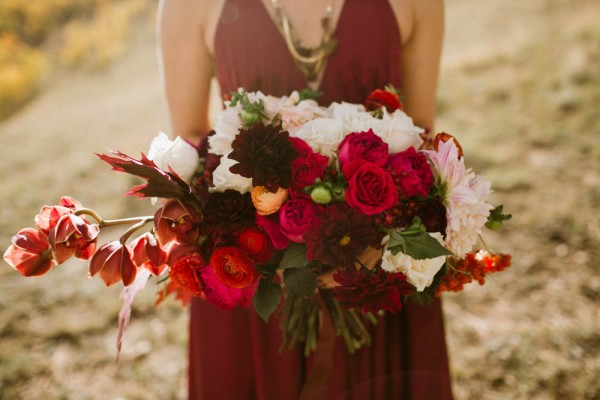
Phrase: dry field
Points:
(520, 87)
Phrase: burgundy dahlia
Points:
(265, 154)
(340, 235)
(228, 211)
(371, 291)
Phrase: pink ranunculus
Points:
(371, 190)
(222, 295)
(30, 253)
(295, 217)
(113, 262)
(148, 253)
(49, 215)
(365, 146)
(73, 236)
(270, 224)
(412, 173)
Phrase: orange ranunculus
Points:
(185, 263)
(233, 267)
(267, 202)
(113, 262)
(30, 253)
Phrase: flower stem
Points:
(142, 221)
(484, 244)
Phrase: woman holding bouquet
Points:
(344, 48)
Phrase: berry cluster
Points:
(474, 266)
(399, 216)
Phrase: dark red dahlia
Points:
(340, 235)
(265, 154)
(228, 211)
(371, 291)
(433, 215)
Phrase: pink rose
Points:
(371, 189)
(365, 146)
(412, 174)
(295, 217)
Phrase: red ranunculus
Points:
(30, 253)
(49, 215)
(383, 98)
(113, 262)
(73, 236)
(371, 190)
(233, 267)
(185, 263)
(256, 243)
(148, 253)
(365, 146)
(412, 173)
(307, 167)
(223, 296)
(371, 291)
(178, 221)
(295, 217)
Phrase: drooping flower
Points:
(420, 273)
(148, 253)
(179, 221)
(370, 291)
(265, 154)
(30, 253)
(340, 235)
(464, 194)
(233, 267)
(73, 236)
(256, 243)
(113, 263)
(412, 173)
(48, 216)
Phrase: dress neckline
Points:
(273, 25)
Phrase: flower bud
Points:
(249, 118)
(321, 194)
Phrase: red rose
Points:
(233, 267)
(382, 98)
(256, 243)
(412, 173)
(185, 264)
(295, 217)
(30, 253)
(307, 167)
(371, 190)
(365, 146)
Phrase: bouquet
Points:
(280, 192)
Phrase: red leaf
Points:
(158, 182)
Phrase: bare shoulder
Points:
(412, 13)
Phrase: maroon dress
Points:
(234, 354)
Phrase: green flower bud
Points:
(321, 194)
(249, 118)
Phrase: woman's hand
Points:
(369, 258)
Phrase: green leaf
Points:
(496, 218)
(419, 246)
(294, 257)
(310, 94)
(267, 298)
(300, 281)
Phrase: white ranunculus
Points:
(353, 117)
(323, 135)
(398, 131)
(419, 273)
(224, 179)
(294, 117)
(178, 154)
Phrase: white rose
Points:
(323, 135)
(178, 154)
(419, 273)
(398, 131)
(224, 179)
(227, 126)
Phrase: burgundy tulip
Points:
(178, 221)
(148, 253)
(49, 215)
(113, 262)
(73, 236)
(30, 253)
